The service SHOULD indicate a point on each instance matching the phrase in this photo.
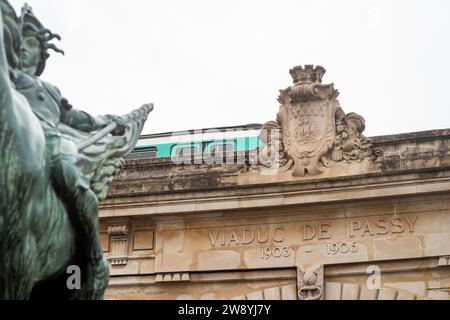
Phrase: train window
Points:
(144, 153)
(222, 149)
(186, 150)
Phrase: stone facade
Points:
(371, 224)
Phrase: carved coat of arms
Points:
(312, 130)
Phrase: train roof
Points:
(252, 126)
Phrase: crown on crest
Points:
(308, 74)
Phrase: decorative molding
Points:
(302, 193)
(118, 236)
(310, 282)
(172, 277)
(444, 261)
(118, 230)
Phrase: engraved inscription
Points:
(381, 226)
(277, 252)
(361, 228)
(341, 247)
(225, 237)
(321, 232)
(338, 231)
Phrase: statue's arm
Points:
(5, 82)
(83, 121)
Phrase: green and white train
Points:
(226, 140)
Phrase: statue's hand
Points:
(121, 124)
(121, 127)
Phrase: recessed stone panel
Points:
(143, 240)
(218, 260)
(104, 240)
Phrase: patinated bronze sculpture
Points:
(56, 162)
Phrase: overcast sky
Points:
(207, 63)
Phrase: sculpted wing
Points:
(101, 161)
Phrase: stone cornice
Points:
(413, 163)
(279, 195)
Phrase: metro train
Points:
(225, 140)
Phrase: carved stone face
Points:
(30, 54)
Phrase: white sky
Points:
(207, 63)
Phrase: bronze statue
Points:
(56, 163)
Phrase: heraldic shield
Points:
(308, 131)
(312, 131)
(307, 118)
